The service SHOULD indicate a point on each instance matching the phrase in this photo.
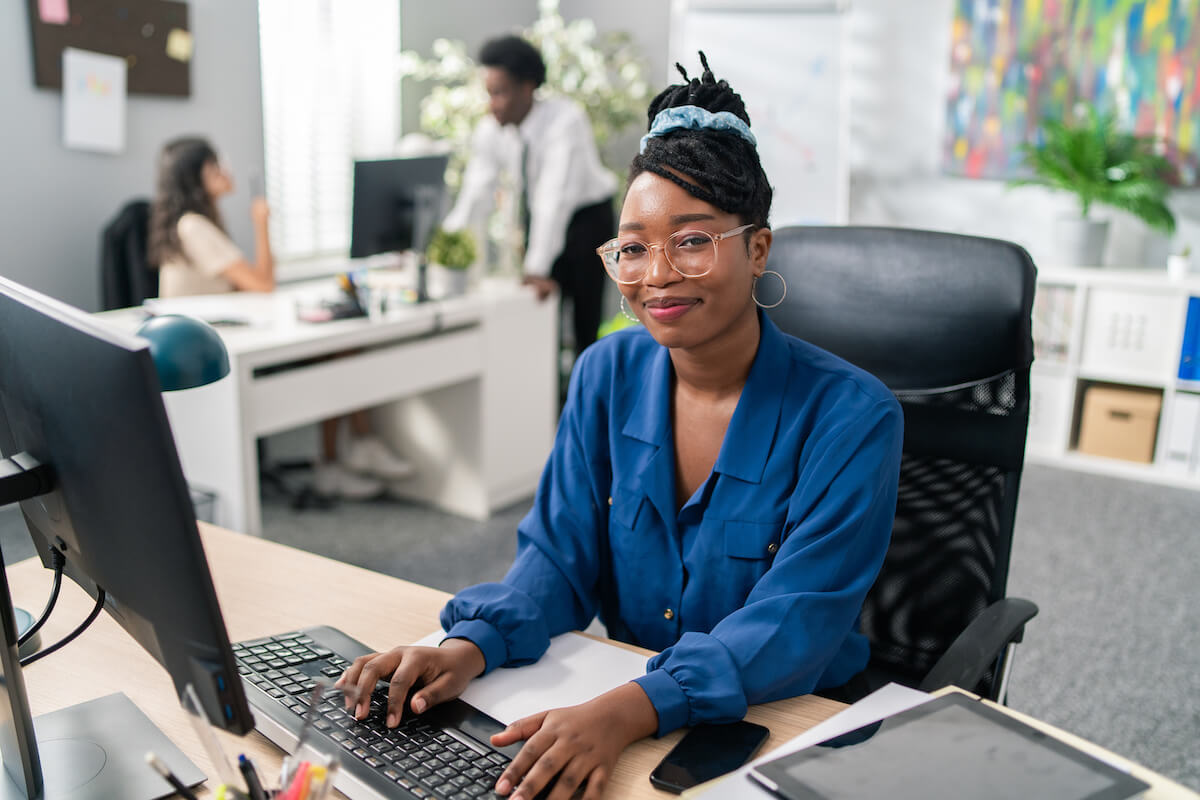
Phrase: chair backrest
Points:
(944, 321)
(126, 277)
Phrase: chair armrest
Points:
(980, 644)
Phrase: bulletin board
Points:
(151, 35)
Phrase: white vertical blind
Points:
(329, 96)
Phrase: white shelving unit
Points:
(1120, 327)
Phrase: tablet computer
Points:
(950, 747)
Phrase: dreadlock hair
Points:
(723, 168)
(180, 191)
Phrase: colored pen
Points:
(163, 770)
(253, 784)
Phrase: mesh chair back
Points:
(944, 321)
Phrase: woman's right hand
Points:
(260, 212)
(443, 672)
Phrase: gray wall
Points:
(54, 202)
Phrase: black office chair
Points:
(944, 321)
(126, 277)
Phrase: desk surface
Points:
(256, 601)
(374, 608)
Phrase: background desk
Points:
(466, 388)
(266, 588)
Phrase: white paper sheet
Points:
(93, 91)
(891, 699)
(240, 308)
(573, 670)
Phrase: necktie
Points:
(524, 208)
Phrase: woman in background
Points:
(195, 255)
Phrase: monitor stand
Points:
(98, 750)
(91, 751)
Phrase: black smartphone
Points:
(707, 752)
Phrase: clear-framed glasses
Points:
(690, 253)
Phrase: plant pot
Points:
(1080, 241)
(1178, 266)
(453, 281)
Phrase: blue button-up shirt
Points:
(752, 589)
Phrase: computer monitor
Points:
(397, 203)
(83, 401)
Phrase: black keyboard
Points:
(441, 754)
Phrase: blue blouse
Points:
(752, 590)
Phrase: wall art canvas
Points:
(1015, 62)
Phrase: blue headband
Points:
(697, 118)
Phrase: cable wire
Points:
(60, 562)
(70, 636)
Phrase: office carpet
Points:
(1114, 655)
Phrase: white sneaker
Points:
(334, 480)
(368, 455)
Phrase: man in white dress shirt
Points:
(566, 193)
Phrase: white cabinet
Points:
(1113, 328)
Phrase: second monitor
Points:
(397, 203)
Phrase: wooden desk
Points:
(464, 387)
(266, 588)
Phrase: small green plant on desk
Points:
(451, 249)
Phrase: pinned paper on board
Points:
(93, 101)
(179, 44)
(54, 12)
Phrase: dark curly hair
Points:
(723, 168)
(180, 191)
(515, 56)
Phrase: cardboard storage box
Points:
(1120, 422)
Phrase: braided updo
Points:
(724, 168)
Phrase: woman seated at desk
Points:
(718, 490)
(195, 255)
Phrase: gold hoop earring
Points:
(782, 289)
(625, 309)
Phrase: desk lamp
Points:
(187, 352)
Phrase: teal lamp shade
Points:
(186, 351)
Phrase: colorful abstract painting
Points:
(1015, 62)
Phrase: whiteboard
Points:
(786, 61)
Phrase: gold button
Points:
(668, 614)
(772, 548)
(610, 501)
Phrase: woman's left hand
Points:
(579, 744)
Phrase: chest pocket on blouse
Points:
(752, 540)
(626, 506)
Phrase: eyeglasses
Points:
(690, 253)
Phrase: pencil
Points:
(163, 770)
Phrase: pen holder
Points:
(308, 773)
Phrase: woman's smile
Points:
(668, 309)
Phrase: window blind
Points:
(329, 96)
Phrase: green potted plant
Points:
(1099, 164)
(454, 252)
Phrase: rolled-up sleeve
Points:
(794, 625)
